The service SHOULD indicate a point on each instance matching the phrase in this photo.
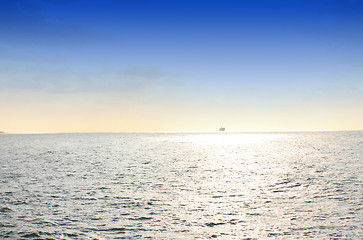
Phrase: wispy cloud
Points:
(41, 77)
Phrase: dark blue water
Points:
(182, 186)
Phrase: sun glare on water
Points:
(230, 139)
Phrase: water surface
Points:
(181, 185)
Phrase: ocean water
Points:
(182, 186)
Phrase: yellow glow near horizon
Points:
(31, 112)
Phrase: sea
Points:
(216, 185)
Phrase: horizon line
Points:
(215, 131)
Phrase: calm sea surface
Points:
(182, 186)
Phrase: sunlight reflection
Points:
(230, 139)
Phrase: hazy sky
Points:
(180, 65)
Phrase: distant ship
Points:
(222, 129)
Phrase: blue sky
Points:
(249, 56)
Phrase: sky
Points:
(181, 65)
